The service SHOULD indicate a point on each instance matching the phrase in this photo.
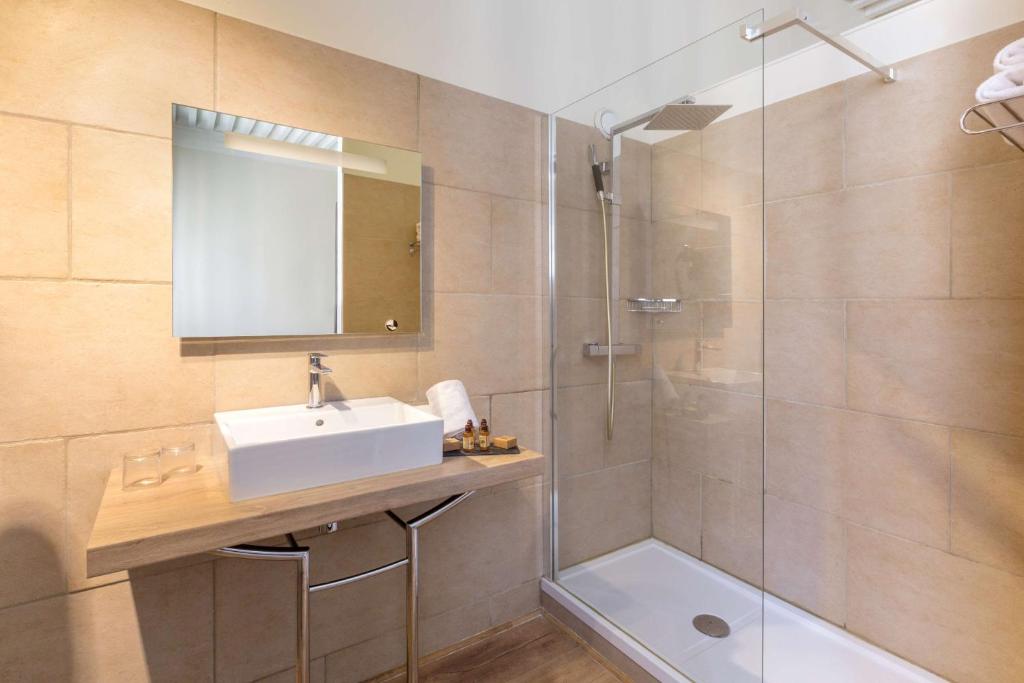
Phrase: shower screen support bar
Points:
(797, 17)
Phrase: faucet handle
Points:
(315, 366)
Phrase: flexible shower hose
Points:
(610, 410)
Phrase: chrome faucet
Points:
(316, 394)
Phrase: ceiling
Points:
(542, 54)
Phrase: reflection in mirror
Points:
(285, 231)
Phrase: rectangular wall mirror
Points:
(285, 231)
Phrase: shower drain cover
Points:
(710, 625)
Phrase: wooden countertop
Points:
(192, 514)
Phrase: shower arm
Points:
(797, 17)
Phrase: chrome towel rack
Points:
(980, 110)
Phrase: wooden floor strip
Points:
(532, 650)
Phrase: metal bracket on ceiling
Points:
(797, 17)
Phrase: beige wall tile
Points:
(732, 335)
(90, 461)
(958, 618)
(301, 83)
(521, 415)
(157, 628)
(459, 222)
(803, 139)
(988, 243)
(515, 602)
(487, 341)
(635, 178)
(255, 603)
(465, 560)
(480, 143)
(580, 252)
(988, 499)
(253, 374)
(112, 344)
(583, 445)
(603, 510)
(732, 152)
(106, 63)
(317, 671)
(675, 502)
(583, 321)
(731, 531)
(120, 206)
(958, 363)
(676, 177)
(519, 247)
(901, 130)
(805, 558)
(636, 241)
(575, 180)
(889, 240)
(887, 474)
(805, 351)
(32, 515)
(716, 433)
(33, 198)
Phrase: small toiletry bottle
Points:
(485, 436)
(467, 437)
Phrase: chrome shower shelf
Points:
(987, 112)
(642, 305)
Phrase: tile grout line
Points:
(69, 190)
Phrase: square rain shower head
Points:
(686, 116)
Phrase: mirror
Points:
(284, 231)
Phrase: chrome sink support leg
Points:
(300, 555)
(412, 577)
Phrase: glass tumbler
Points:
(141, 470)
(179, 459)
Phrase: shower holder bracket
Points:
(797, 17)
(593, 349)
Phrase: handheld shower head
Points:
(595, 168)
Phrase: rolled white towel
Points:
(1010, 56)
(449, 401)
(1009, 83)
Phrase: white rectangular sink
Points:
(287, 448)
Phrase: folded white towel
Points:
(449, 401)
(1009, 83)
(1010, 56)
